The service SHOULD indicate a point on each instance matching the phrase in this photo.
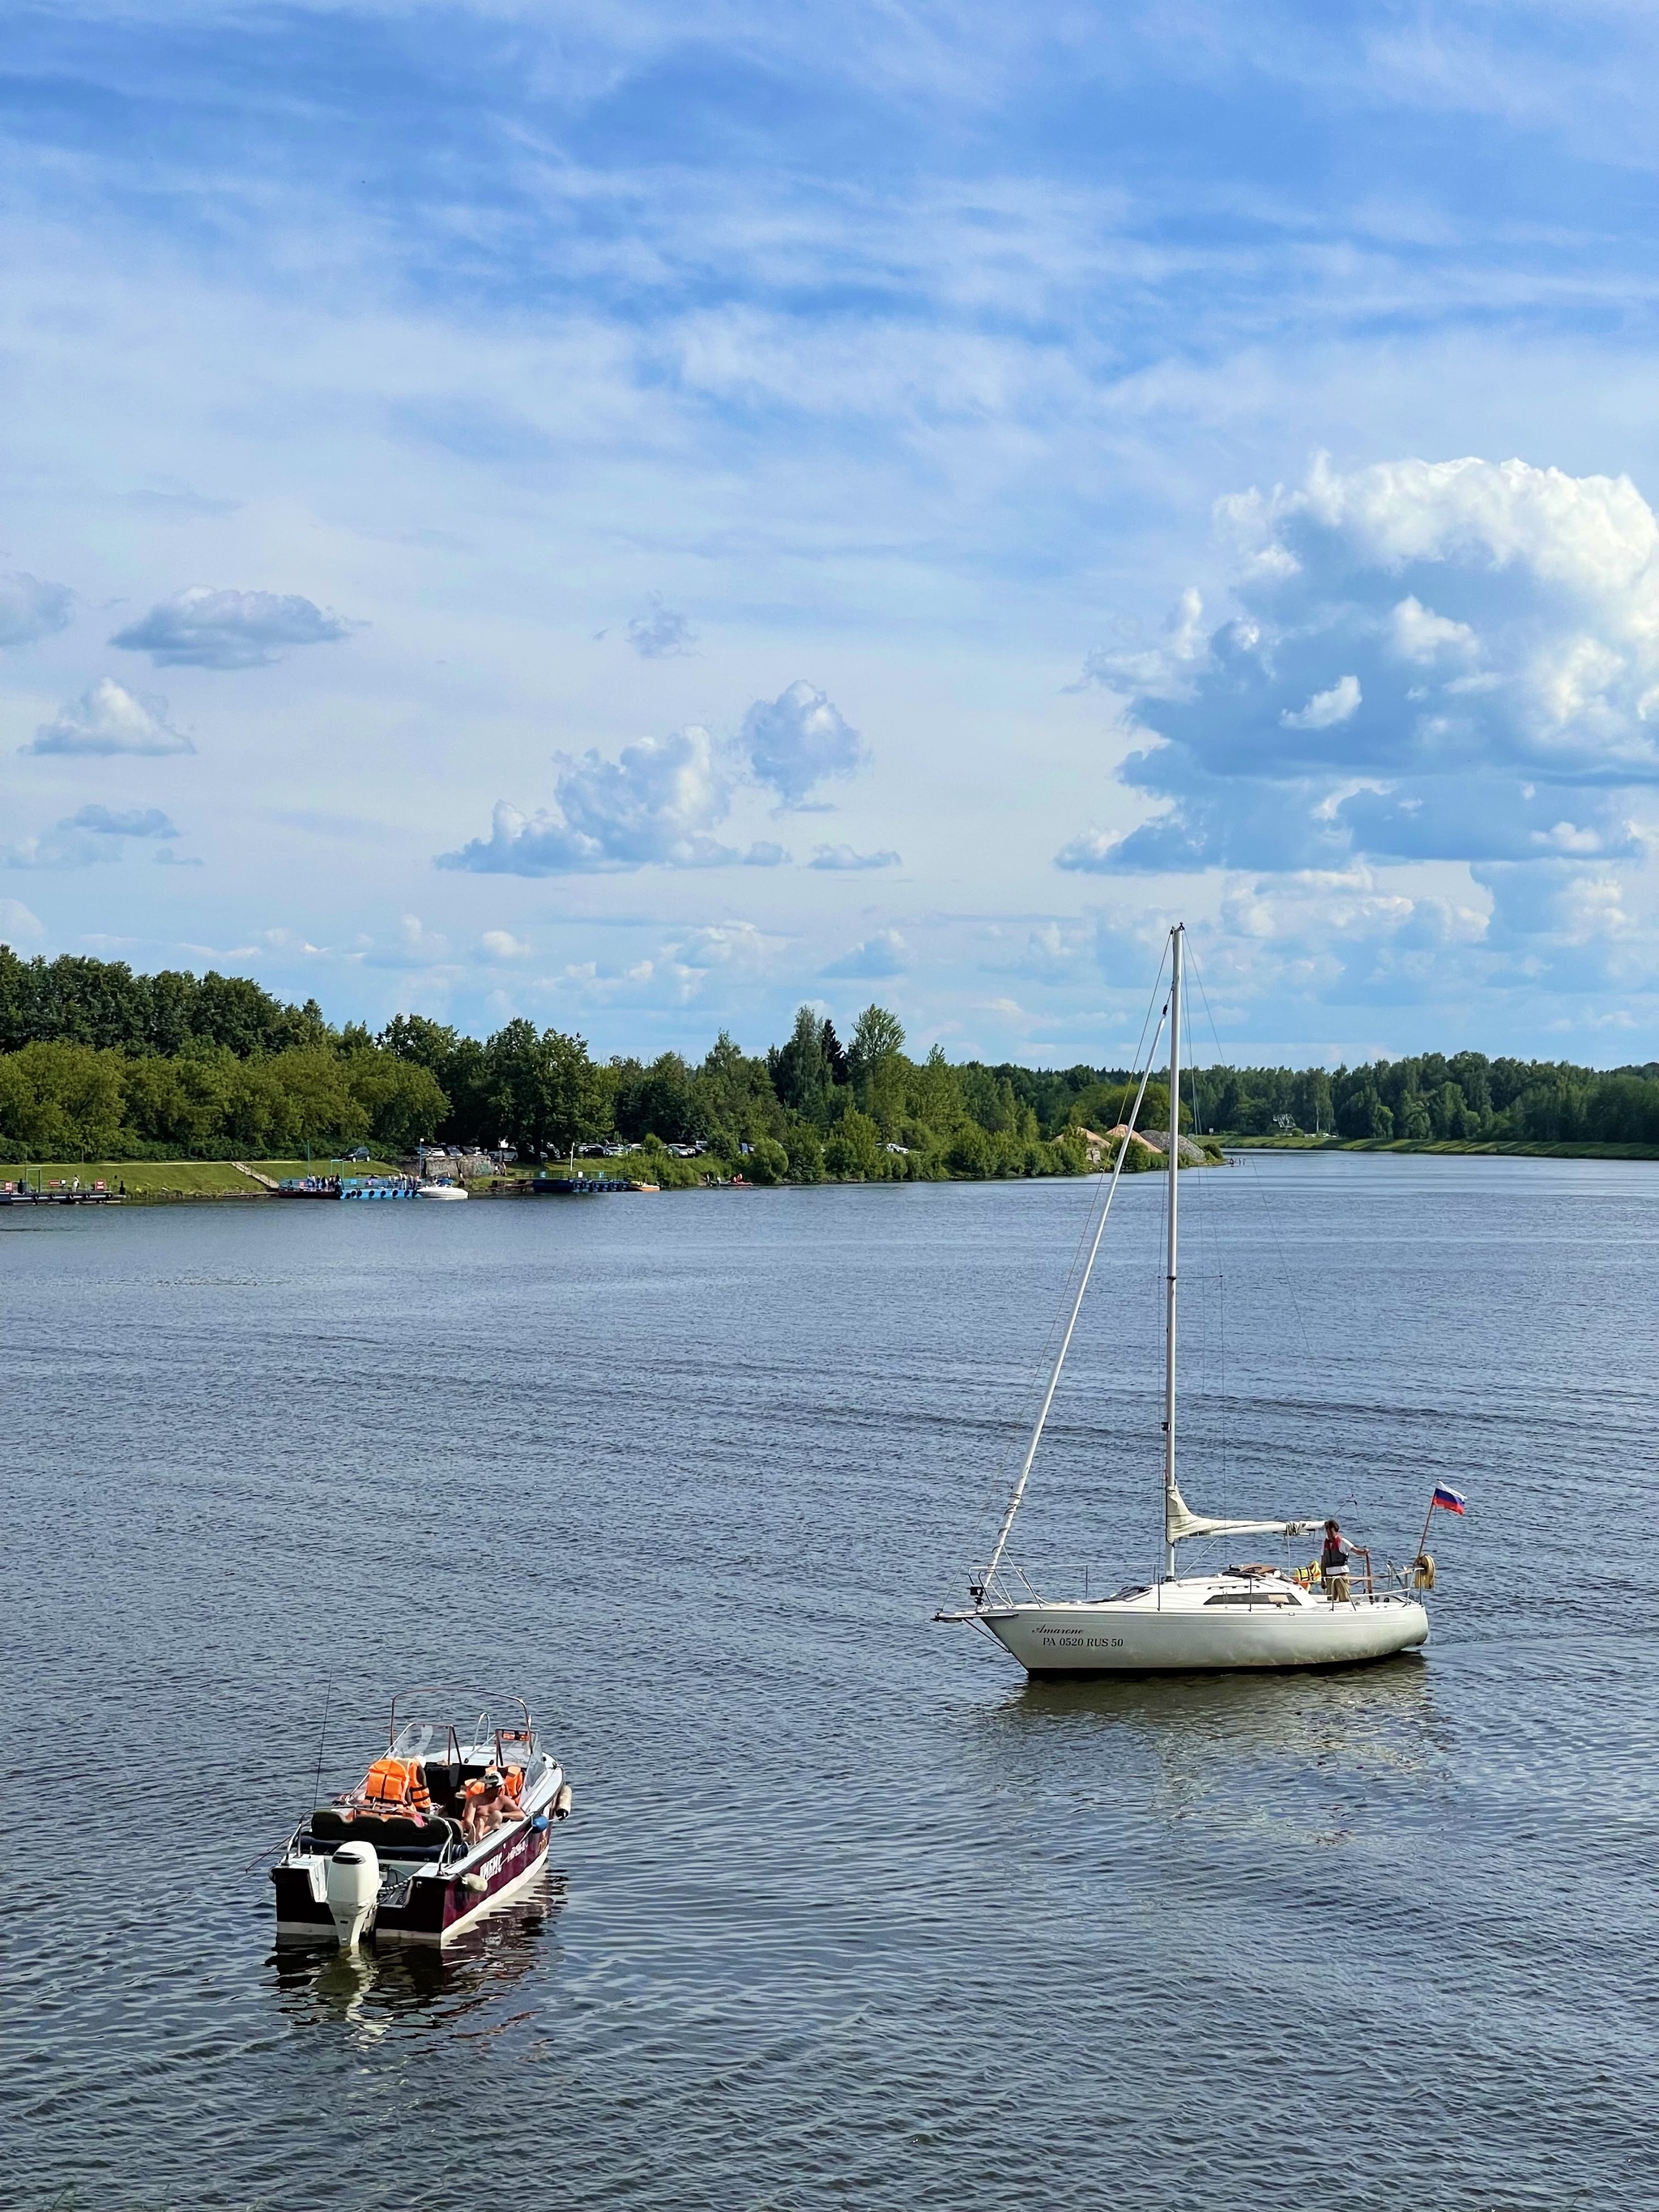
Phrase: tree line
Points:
(1429, 1096)
(98, 1062)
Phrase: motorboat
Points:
(1252, 1614)
(440, 1190)
(451, 1820)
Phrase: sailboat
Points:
(1251, 1615)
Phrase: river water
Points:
(848, 1914)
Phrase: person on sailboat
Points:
(1334, 1562)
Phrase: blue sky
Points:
(516, 509)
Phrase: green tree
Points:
(969, 1152)
(60, 1101)
(877, 1036)
(544, 1090)
(800, 1070)
(1414, 1119)
(182, 1101)
(402, 1099)
(767, 1162)
(854, 1147)
(805, 1153)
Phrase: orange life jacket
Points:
(398, 1782)
(514, 1780)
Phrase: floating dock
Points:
(576, 1185)
(344, 1186)
(58, 1195)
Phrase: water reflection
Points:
(376, 1991)
(1267, 1710)
(1307, 1757)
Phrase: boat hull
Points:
(433, 1907)
(1107, 1638)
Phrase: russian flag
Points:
(1452, 1500)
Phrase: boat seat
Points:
(391, 1832)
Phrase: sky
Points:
(641, 517)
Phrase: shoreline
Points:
(1459, 1147)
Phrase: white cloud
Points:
(884, 954)
(31, 609)
(136, 821)
(843, 857)
(656, 806)
(82, 840)
(659, 634)
(61, 848)
(1256, 745)
(1327, 708)
(109, 719)
(414, 947)
(798, 739)
(203, 627)
(1092, 851)
(728, 945)
(501, 944)
(16, 922)
(1424, 637)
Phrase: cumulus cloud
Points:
(82, 840)
(109, 719)
(659, 634)
(1327, 708)
(656, 806)
(414, 947)
(61, 848)
(501, 944)
(884, 954)
(1423, 660)
(844, 857)
(202, 627)
(16, 923)
(32, 608)
(739, 944)
(795, 741)
(136, 821)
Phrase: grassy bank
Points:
(1586, 1151)
(160, 1180)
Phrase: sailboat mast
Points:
(1176, 940)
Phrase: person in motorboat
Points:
(488, 1802)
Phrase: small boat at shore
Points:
(452, 1819)
(440, 1190)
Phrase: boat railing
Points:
(1012, 1584)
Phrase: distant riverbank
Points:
(1461, 1146)
(169, 1181)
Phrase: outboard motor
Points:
(352, 1883)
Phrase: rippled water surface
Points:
(848, 1914)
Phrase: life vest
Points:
(514, 1781)
(398, 1782)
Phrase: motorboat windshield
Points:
(442, 1724)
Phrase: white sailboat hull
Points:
(1185, 1634)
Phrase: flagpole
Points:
(1427, 1517)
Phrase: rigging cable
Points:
(1045, 1358)
(1018, 1493)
